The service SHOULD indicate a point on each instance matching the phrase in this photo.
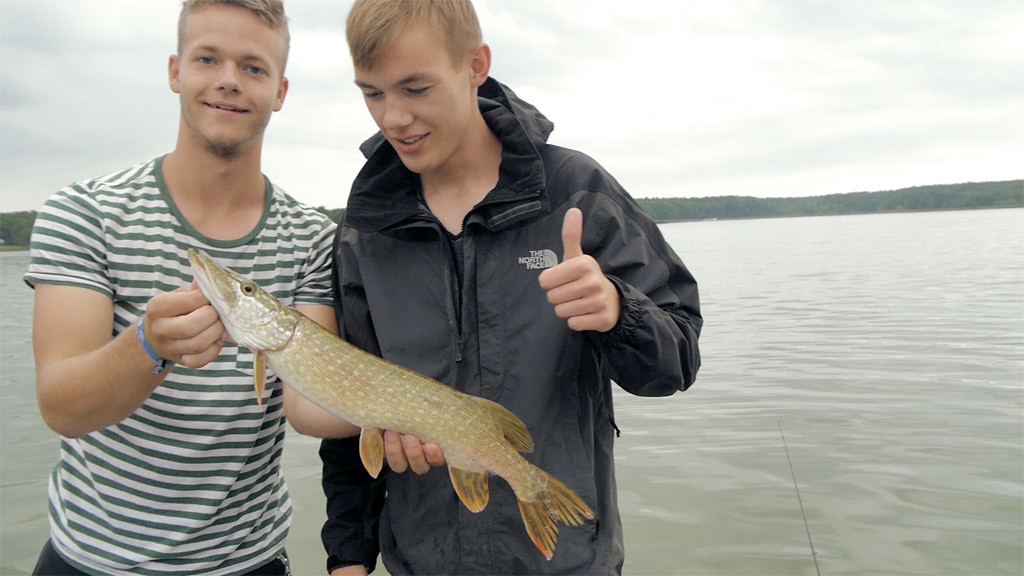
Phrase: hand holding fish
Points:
(577, 288)
(405, 451)
(183, 327)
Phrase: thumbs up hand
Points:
(578, 289)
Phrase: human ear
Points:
(480, 64)
(282, 91)
(172, 74)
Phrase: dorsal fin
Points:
(511, 426)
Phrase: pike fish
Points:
(479, 437)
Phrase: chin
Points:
(226, 148)
(417, 164)
(225, 151)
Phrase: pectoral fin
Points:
(371, 450)
(259, 376)
(471, 486)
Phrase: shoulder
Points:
(288, 209)
(575, 176)
(576, 179)
(138, 184)
(87, 225)
(570, 170)
(124, 203)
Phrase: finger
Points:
(414, 454)
(176, 303)
(394, 452)
(572, 234)
(201, 358)
(433, 454)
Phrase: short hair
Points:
(271, 12)
(373, 25)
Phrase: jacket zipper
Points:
(449, 272)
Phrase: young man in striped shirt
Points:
(167, 463)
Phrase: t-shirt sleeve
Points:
(67, 246)
(314, 286)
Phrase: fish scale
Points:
(478, 437)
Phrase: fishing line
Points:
(807, 526)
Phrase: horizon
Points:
(808, 197)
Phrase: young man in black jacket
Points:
(447, 263)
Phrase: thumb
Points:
(572, 234)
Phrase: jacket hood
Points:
(384, 193)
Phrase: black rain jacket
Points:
(397, 296)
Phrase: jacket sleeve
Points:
(354, 502)
(653, 349)
(354, 498)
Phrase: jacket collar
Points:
(385, 193)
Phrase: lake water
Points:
(889, 349)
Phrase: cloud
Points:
(674, 97)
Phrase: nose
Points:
(394, 115)
(228, 79)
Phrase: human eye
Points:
(205, 60)
(255, 70)
(417, 91)
(371, 94)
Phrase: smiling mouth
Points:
(226, 107)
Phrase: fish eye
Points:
(248, 289)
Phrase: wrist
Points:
(159, 363)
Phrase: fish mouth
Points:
(201, 271)
(196, 259)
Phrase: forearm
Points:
(653, 350)
(95, 389)
(309, 419)
(354, 502)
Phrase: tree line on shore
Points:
(16, 227)
(968, 196)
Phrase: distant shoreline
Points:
(24, 248)
(766, 217)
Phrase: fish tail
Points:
(541, 515)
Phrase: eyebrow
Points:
(410, 79)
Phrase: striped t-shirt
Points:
(190, 483)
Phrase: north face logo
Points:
(539, 260)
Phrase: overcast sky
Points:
(677, 98)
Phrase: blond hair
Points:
(271, 12)
(373, 25)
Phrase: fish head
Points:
(251, 315)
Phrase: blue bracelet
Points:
(159, 364)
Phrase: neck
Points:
(473, 166)
(220, 197)
(452, 190)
